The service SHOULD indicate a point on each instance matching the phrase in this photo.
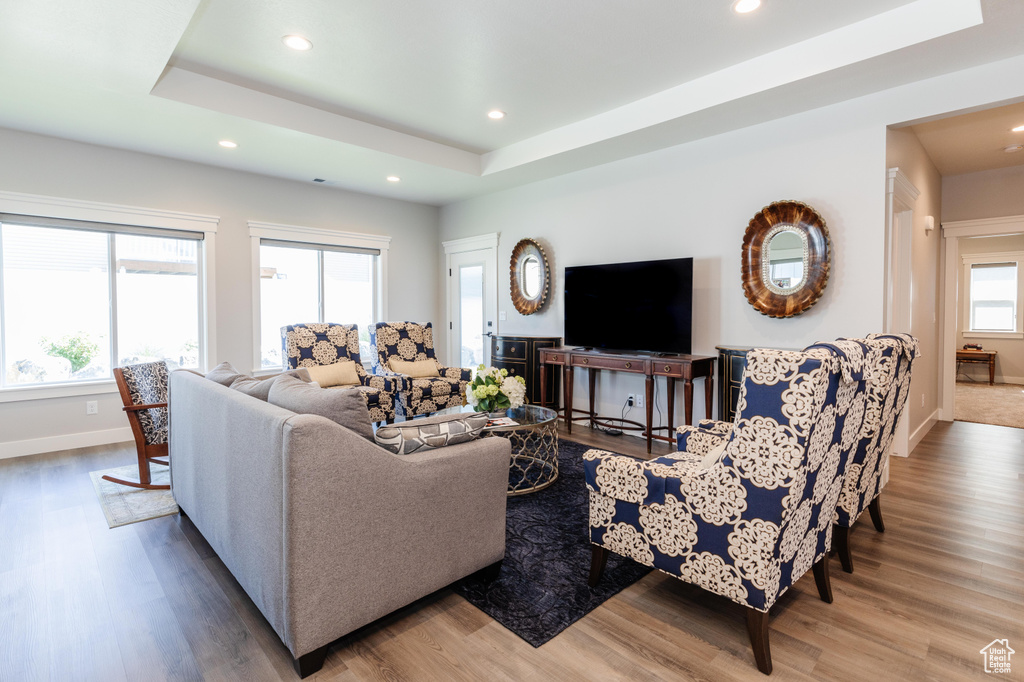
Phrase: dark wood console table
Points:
(987, 357)
(672, 367)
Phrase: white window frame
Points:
(311, 237)
(133, 216)
(968, 260)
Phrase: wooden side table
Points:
(982, 356)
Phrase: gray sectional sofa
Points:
(325, 530)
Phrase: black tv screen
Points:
(645, 306)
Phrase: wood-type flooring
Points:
(152, 602)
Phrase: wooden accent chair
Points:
(888, 384)
(316, 344)
(412, 342)
(144, 394)
(744, 509)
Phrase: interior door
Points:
(471, 307)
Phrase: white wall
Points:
(696, 199)
(1010, 358)
(986, 194)
(54, 167)
(904, 150)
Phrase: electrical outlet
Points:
(639, 402)
(91, 407)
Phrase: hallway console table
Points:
(985, 357)
(672, 367)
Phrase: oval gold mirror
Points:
(530, 278)
(786, 259)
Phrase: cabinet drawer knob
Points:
(513, 349)
(668, 368)
(628, 365)
(586, 361)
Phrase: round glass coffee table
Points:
(534, 438)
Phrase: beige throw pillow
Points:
(419, 369)
(341, 373)
(345, 407)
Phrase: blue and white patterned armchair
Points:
(325, 343)
(412, 342)
(888, 384)
(746, 521)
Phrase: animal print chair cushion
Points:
(147, 385)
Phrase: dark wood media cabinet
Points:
(672, 367)
(520, 356)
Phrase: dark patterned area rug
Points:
(542, 588)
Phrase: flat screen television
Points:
(645, 306)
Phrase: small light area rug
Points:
(542, 588)
(123, 504)
(1000, 404)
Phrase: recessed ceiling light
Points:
(1018, 129)
(393, 178)
(1013, 148)
(496, 114)
(228, 143)
(744, 6)
(298, 43)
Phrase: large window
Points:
(993, 295)
(77, 299)
(302, 282)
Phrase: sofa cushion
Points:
(341, 373)
(259, 387)
(432, 432)
(224, 374)
(418, 369)
(345, 407)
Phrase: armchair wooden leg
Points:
(876, 513)
(310, 663)
(841, 544)
(598, 559)
(821, 579)
(757, 628)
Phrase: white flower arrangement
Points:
(493, 389)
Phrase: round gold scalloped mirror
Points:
(530, 277)
(786, 259)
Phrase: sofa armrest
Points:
(388, 384)
(460, 373)
(368, 532)
(701, 439)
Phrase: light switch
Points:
(501, 316)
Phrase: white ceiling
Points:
(403, 88)
(974, 142)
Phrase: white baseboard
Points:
(921, 431)
(35, 446)
(1010, 380)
